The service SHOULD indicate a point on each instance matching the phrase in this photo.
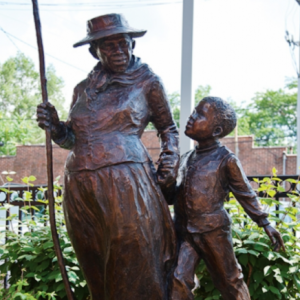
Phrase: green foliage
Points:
(201, 92)
(20, 93)
(30, 258)
(174, 98)
(35, 274)
(268, 274)
(270, 117)
(18, 130)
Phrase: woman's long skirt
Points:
(121, 230)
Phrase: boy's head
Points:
(212, 118)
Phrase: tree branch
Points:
(250, 270)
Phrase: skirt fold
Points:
(121, 230)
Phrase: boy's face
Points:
(200, 125)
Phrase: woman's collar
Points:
(135, 63)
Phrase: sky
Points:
(239, 46)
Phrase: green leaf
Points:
(37, 277)
(254, 252)
(274, 290)
(25, 180)
(28, 275)
(32, 178)
(68, 250)
(54, 275)
(27, 257)
(291, 180)
(271, 193)
(6, 190)
(243, 259)
(267, 270)
(83, 283)
(269, 255)
(48, 245)
(9, 179)
(258, 276)
(43, 265)
(279, 278)
(254, 235)
(297, 282)
(274, 172)
(29, 249)
(294, 269)
(241, 250)
(280, 189)
(21, 295)
(283, 258)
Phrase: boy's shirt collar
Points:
(214, 146)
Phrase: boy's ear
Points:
(217, 131)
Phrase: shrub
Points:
(35, 274)
(31, 260)
(268, 274)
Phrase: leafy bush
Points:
(34, 271)
(268, 274)
(31, 260)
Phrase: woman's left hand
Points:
(167, 168)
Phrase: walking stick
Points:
(49, 154)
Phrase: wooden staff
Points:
(49, 154)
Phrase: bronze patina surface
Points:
(206, 176)
(116, 215)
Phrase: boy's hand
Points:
(167, 168)
(275, 238)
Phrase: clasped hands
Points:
(168, 164)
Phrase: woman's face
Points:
(115, 52)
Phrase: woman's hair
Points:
(225, 115)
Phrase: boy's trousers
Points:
(216, 249)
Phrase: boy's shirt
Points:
(205, 178)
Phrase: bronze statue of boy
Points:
(206, 176)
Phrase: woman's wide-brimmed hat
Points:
(108, 25)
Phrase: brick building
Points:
(31, 160)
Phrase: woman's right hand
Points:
(47, 117)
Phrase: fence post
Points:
(6, 239)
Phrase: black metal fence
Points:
(17, 191)
(288, 186)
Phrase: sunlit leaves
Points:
(271, 275)
(31, 260)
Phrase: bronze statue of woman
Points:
(116, 215)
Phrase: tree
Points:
(17, 130)
(20, 93)
(174, 98)
(271, 116)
